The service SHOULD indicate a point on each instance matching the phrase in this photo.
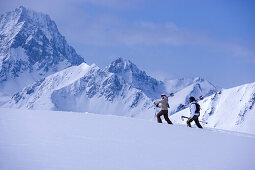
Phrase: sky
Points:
(169, 39)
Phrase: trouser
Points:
(195, 118)
(165, 114)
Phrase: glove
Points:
(188, 123)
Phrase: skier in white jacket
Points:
(163, 104)
(194, 113)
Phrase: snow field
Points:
(33, 139)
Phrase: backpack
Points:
(197, 108)
(167, 102)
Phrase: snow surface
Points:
(33, 139)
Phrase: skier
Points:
(194, 112)
(164, 109)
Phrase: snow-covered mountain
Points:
(44, 72)
(179, 84)
(231, 109)
(120, 89)
(31, 48)
(186, 87)
(136, 78)
(85, 88)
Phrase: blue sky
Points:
(214, 39)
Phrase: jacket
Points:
(164, 103)
(193, 110)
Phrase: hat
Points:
(192, 99)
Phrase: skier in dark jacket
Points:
(194, 113)
(163, 104)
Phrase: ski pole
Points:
(182, 117)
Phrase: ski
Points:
(200, 98)
(185, 117)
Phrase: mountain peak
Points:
(198, 79)
(122, 65)
(23, 13)
(31, 43)
(135, 77)
(30, 13)
(23, 9)
(39, 20)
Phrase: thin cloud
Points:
(109, 30)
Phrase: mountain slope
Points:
(231, 109)
(83, 88)
(120, 89)
(38, 95)
(31, 48)
(64, 141)
(184, 88)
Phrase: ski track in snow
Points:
(35, 139)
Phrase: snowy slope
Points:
(40, 140)
(31, 48)
(38, 95)
(231, 109)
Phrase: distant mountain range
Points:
(126, 90)
(39, 70)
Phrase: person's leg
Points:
(158, 116)
(189, 121)
(197, 122)
(167, 118)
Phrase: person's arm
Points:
(157, 102)
(192, 110)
